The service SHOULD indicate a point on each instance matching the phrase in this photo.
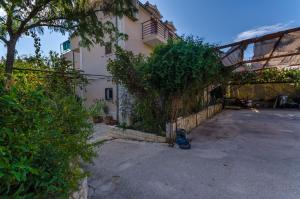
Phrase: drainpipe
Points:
(207, 103)
(73, 59)
(117, 84)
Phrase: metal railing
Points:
(155, 27)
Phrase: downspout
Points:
(117, 84)
(82, 91)
(73, 60)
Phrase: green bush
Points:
(97, 109)
(170, 82)
(145, 117)
(43, 138)
(269, 75)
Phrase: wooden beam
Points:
(260, 39)
(263, 59)
(274, 48)
(231, 51)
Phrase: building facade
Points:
(145, 30)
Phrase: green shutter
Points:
(66, 45)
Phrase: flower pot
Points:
(108, 119)
(113, 122)
(98, 119)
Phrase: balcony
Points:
(155, 32)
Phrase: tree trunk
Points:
(175, 100)
(10, 57)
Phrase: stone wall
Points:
(192, 121)
(263, 91)
(135, 135)
(82, 193)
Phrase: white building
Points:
(144, 31)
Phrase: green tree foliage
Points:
(77, 17)
(184, 64)
(97, 109)
(127, 69)
(175, 71)
(270, 75)
(43, 133)
(182, 69)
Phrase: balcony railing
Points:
(157, 28)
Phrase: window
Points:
(136, 5)
(135, 15)
(108, 49)
(66, 46)
(108, 94)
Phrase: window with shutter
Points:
(108, 94)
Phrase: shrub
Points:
(43, 138)
(97, 109)
(268, 75)
(175, 73)
(145, 118)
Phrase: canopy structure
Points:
(280, 50)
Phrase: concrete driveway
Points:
(236, 155)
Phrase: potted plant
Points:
(108, 119)
(97, 111)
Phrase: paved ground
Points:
(237, 155)
(101, 133)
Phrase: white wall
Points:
(94, 61)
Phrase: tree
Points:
(178, 70)
(77, 17)
(183, 68)
(44, 130)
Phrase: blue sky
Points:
(216, 21)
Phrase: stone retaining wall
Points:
(135, 135)
(192, 121)
(82, 193)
